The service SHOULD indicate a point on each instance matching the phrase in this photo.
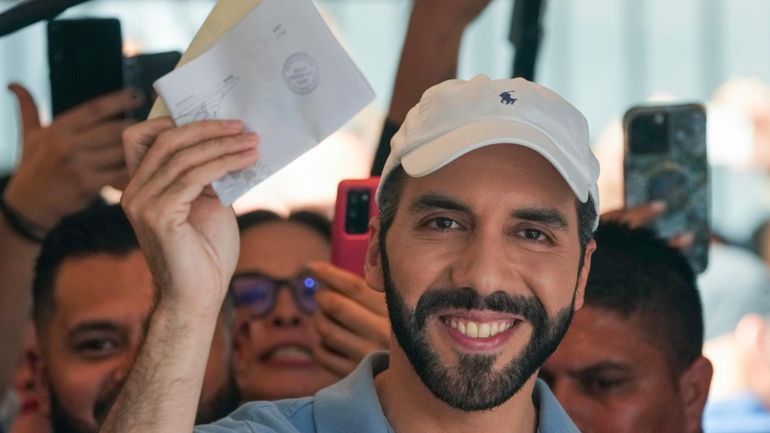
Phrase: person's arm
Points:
(62, 169)
(191, 243)
(429, 56)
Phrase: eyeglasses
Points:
(257, 293)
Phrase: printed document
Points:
(281, 72)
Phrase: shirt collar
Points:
(352, 404)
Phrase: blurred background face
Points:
(102, 303)
(102, 306)
(273, 354)
(611, 377)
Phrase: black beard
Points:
(472, 384)
(224, 402)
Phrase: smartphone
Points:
(355, 206)
(665, 159)
(85, 60)
(141, 71)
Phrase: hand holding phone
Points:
(665, 160)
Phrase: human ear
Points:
(373, 264)
(580, 289)
(694, 386)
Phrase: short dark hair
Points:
(633, 272)
(393, 185)
(96, 230)
(312, 220)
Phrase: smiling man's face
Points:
(481, 267)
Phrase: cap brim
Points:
(439, 152)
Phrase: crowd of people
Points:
(495, 297)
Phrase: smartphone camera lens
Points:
(357, 212)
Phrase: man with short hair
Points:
(92, 296)
(483, 247)
(632, 359)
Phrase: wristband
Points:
(22, 225)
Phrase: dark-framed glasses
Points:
(257, 293)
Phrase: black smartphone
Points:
(141, 71)
(354, 208)
(85, 60)
(665, 159)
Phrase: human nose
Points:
(285, 313)
(481, 265)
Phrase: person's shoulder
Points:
(283, 416)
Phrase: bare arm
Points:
(63, 168)
(191, 244)
(435, 31)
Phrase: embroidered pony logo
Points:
(506, 98)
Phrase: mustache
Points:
(433, 301)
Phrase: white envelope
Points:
(281, 72)
(223, 17)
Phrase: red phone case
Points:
(349, 249)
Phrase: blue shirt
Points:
(741, 414)
(352, 406)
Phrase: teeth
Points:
(291, 353)
(473, 329)
(484, 330)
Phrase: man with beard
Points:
(93, 295)
(482, 246)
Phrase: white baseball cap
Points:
(458, 116)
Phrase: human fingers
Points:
(637, 216)
(183, 162)
(138, 138)
(98, 109)
(333, 362)
(341, 340)
(371, 328)
(30, 118)
(159, 148)
(349, 284)
(190, 184)
(105, 158)
(106, 133)
(682, 241)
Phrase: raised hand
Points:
(352, 319)
(65, 165)
(189, 238)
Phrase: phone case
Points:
(350, 228)
(85, 58)
(665, 159)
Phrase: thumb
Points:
(30, 118)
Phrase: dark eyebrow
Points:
(602, 367)
(548, 216)
(432, 201)
(94, 326)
